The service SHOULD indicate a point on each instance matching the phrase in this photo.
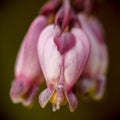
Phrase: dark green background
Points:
(15, 17)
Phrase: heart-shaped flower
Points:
(62, 58)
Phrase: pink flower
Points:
(62, 58)
(64, 48)
(28, 74)
(94, 75)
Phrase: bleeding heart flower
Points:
(62, 58)
(28, 74)
(94, 75)
(62, 47)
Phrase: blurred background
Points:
(15, 17)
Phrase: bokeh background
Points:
(15, 17)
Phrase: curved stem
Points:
(67, 10)
(63, 16)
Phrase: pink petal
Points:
(45, 96)
(65, 42)
(98, 60)
(28, 74)
(76, 58)
(72, 100)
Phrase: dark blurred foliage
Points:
(15, 17)
(116, 2)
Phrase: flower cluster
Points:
(64, 47)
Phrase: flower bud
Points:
(62, 60)
(28, 74)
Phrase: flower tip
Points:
(72, 101)
(94, 89)
(71, 109)
(54, 109)
(45, 96)
(22, 92)
(15, 91)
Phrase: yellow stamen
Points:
(53, 100)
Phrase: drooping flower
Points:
(65, 48)
(28, 74)
(94, 75)
(62, 60)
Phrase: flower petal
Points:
(45, 96)
(28, 74)
(72, 100)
